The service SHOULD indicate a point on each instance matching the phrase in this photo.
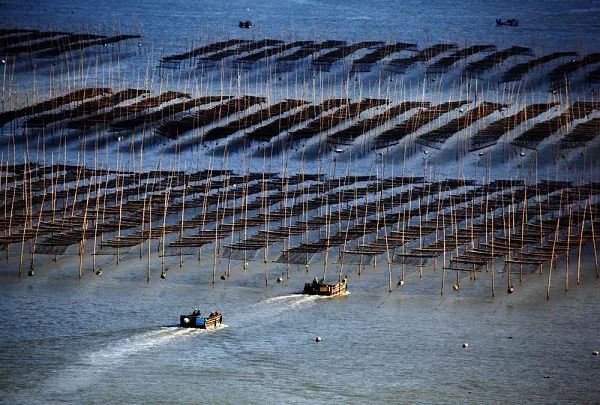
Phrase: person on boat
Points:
(196, 312)
(315, 282)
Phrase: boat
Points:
(245, 24)
(511, 22)
(329, 290)
(198, 321)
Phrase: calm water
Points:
(112, 339)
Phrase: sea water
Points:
(114, 338)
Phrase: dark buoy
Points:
(223, 277)
(465, 345)
(99, 272)
(163, 275)
(401, 282)
(510, 289)
(595, 352)
(546, 376)
(318, 339)
(280, 279)
(455, 287)
(31, 273)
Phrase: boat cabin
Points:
(329, 290)
(199, 321)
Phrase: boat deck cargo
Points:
(329, 290)
(198, 321)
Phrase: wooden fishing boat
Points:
(511, 22)
(328, 290)
(198, 321)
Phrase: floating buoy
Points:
(223, 277)
(465, 345)
(522, 153)
(546, 376)
(401, 282)
(510, 289)
(455, 287)
(163, 275)
(318, 339)
(31, 273)
(280, 279)
(186, 320)
(99, 272)
(595, 352)
(426, 152)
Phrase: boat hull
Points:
(200, 322)
(328, 290)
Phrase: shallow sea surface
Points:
(114, 337)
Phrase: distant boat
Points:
(198, 321)
(511, 22)
(328, 290)
(245, 24)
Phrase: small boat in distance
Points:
(329, 290)
(199, 321)
(511, 22)
(245, 24)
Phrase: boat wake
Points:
(270, 309)
(90, 366)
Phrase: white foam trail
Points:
(275, 306)
(137, 343)
(85, 371)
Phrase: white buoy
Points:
(401, 282)
(510, 289)
(465, 345)
(99, 272)
(595, 352)
(280, 279)
(318, 339)
(455, 287)
(163, 275)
